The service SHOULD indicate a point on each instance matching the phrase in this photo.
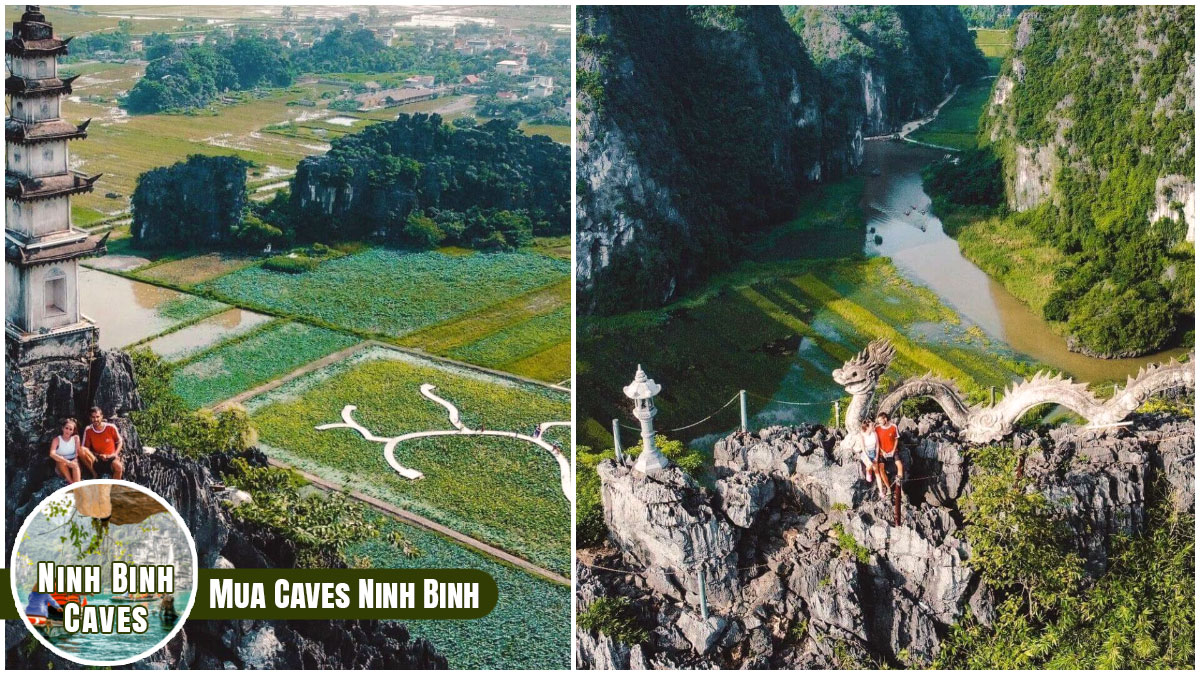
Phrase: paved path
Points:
(425, 523)
(389, 448)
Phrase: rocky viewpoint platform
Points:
(778, 582)
(37, 397)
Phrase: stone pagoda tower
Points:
(41, 248)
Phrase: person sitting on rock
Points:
(64, 452)
(867, 444)
(102, 445)
(889, 443)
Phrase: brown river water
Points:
(895, 204)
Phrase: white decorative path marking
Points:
(460, 429)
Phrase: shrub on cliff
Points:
(165, 420)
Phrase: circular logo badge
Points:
(104, 572)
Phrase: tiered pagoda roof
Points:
(25, 188)
(49, 86)
(32, 36)
(17, 131)
(90, 245)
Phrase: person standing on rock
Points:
(102, 445)
(889, 443)
(64, 451)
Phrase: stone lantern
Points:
(642, 391)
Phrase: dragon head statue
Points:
(859, 375)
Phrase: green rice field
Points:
(957, 124)
(795, 322)
(239, 364)
(994, 43)
(503, 491)
(390, 293)
(530, 628)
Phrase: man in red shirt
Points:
(889, 442)
(102, 445)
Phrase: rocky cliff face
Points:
(40, 395)
(1092, 118)
(805, 567)
(888, 64)
(1081, 79)
(696, 125)
(699, 126)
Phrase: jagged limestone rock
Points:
(702, 634)
(664, 523)
(744, 495)
(844, 585)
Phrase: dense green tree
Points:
(484, 186)
(199, 202)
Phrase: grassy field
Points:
(254, 358)
(391, 293)
(1014, 256)
(957, 124)
(68, 23)
(824, 220)
(524, 320)
(559, 133)
(503, 491)
(518, 341)
(533, 615)
(777, 330)
(993, 43)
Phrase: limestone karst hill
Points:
(804, 566)
(698, 126)
(1092, 119)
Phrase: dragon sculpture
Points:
(860, 377)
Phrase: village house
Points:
(541, 86)
(387, 98)
(137, 45)
(470, 79)
(511, 67)
(385, 35)
(419, 82)
(477, 46)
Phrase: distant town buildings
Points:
(541, 86)
(419, 82)
(477, 46)
(511, 67)
(387, 98)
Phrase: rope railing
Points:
(729, 403)
(698, 422)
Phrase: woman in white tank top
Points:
(867, 444)
(64, 450)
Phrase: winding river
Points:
(896, 206)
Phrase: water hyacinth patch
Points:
(389, 292)
(240, 364)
